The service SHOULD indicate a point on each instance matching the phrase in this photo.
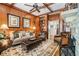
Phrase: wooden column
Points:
(46, 23)
(37, 24)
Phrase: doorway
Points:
(53, 27)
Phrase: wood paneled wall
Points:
(37, 21)
(54, 17)
(3, 18)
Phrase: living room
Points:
(38, 29)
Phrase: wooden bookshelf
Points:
(44, 23)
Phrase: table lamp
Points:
(4, 27)
(34, 28)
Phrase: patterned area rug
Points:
(44, 49)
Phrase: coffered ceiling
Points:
(43, 7)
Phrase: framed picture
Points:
(26, 23)
(13, 20)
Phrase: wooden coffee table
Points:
(26, 44)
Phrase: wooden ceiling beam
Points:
(47, 7)
(48, 4)
(13, 4)
(28, 5)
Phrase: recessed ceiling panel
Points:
(57, 6)
(23, 7)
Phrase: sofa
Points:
(18, 36)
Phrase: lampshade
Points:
(34, 27)
(4, 27)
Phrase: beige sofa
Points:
(22, 35)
